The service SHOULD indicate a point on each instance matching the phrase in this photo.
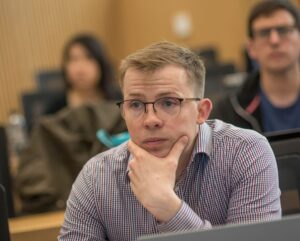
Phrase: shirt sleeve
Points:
(255, 193)
(185, 219)
(82, 221)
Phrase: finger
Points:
(132, 165)
(132, 176)
(134, 168)
(134, 148)
(133, 188)
(178, 148)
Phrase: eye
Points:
(264, 32)
(282, 30)
(135, 104)
(168, 102)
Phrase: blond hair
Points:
(161, 54)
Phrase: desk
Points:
(38, 227)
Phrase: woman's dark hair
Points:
(267, 7)
(96, 51)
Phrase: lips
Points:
(153, 142)
(276, 54)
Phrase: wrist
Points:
(170, 209)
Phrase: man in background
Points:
(269, 100)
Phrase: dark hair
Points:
(96, 51)
(267, 7)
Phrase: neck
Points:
(282, 89)
(79, 97)
(182, 165)
(184, 160)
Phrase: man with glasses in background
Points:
(269, 99)
(179, 171)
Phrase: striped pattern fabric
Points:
(232, 178)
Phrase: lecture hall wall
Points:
(33, 33)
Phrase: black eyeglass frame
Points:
(145, 103)
(281, 30)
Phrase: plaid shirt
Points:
(232, 178)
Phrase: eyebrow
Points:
(162, 94)
(135, 95)
(275, 26)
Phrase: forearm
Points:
(185, 219)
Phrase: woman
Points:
(61, 143)
(87, 73)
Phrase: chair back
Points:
(286, 147)
(4, 230)
(5, 177)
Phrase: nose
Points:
(151, 119)
(274, 36)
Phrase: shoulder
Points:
(109, 162)
(104, 172)
(244, 151)
(222, 130)
(233, 143)
(241, 147)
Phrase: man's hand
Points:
(152, 179)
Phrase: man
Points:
(269, 100)
(178, 171)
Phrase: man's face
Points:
(154, 131)
(276, 42)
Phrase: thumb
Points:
(178, 148)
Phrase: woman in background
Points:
(61, 143)
(87, 73)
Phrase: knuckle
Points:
(132, 164)
(138, 155)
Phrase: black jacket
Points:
(242, 108)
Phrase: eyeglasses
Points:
(282, 31)
(165, 108)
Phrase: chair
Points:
(209, 55)
(215, 88)
(5, 178)
(286, 147)
(36, 104)
(4, 230)
(216, 70)
(50, 80)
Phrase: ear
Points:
(204, 108)
(251, 48)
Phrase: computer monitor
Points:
(50, 80)
(5, 178)
(37, 104)
(4, 230)
(286, 229)
(286, 147)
